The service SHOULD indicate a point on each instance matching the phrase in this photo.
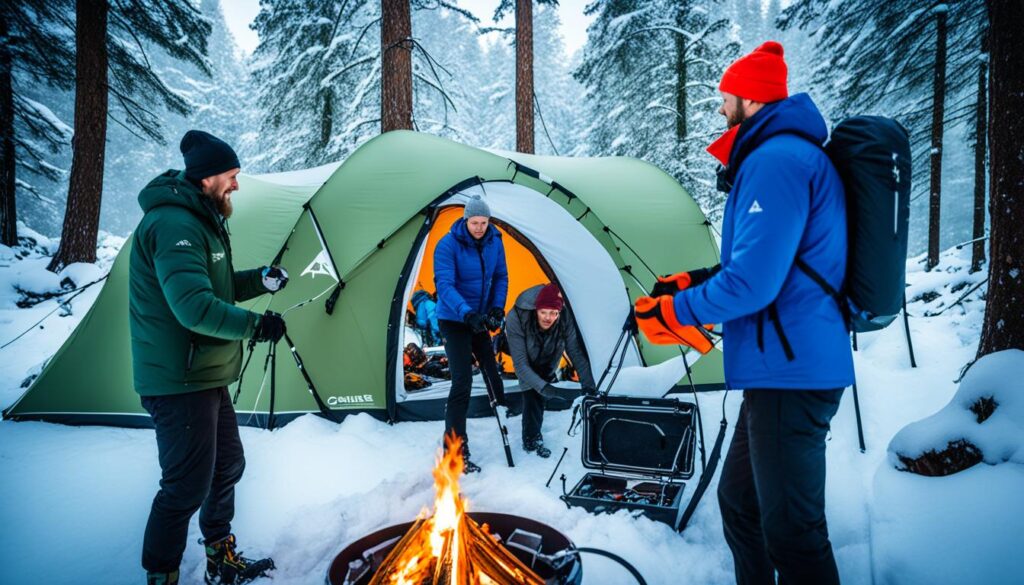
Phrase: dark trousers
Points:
(772, 489)
(462, 345)
(533, 414)
(201, 460)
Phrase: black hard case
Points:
(629, 440)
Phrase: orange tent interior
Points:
(523, 269)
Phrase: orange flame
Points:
(447, 547)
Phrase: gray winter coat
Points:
(524, 342)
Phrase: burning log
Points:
(449, 547)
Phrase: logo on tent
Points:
(320, 265)
(755, 208)
(358, 399)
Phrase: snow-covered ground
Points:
(75, 500)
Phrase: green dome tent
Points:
(353, 238)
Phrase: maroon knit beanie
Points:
(549, 297)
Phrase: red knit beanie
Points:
(549, 297)
(759, 75)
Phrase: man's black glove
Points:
(674, 283)
(275, 278)
(477, 323)
(494, 318)
(270, 328)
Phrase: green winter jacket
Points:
(182, 288)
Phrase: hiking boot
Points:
(226, 566)
(162, 578)
(468, 465)
(537, 445)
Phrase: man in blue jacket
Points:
(471, 278)
(786, 342)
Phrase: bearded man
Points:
(186, 350)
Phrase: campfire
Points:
(448, 547)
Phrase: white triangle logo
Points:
(755, 208)
(320, 265)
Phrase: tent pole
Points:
(273, 384)
(906, 327)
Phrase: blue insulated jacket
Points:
(786, 202)
(426, 311)
(470, 275)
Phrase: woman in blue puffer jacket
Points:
(471, 278)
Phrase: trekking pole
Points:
(502, 429)
(860, 426)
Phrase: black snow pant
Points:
(772, 489)
(201, 460)
(533, 414)
(462, 345)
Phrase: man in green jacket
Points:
(186, 349)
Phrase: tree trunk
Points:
(396, 66)
(980, 154)
(938, 112)
(85, 191)
(680, 76)
(524, 76)
(8, 203)
(326, 120)
(1004, 308)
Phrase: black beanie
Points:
(206, 155)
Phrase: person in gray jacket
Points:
(539, 332)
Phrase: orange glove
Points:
(656, 317)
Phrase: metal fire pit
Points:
(542, 548)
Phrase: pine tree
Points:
(497, 106)
(980, 159)
(35, 50)
(1004, 309)
(317, 76)
(558, 94)
(396, 49)
(650, 70)
(448, 76)
(82, 217)
(904, 59)
(109, 46)
(317, 73)
(525, 91)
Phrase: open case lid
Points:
(641, 436)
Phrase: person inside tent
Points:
(786, 340)
(540, 329)
(471, 279)
(186, 350)
(426, 318)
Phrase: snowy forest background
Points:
(643, 85)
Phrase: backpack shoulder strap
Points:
(836, 295)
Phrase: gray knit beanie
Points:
(476, 207)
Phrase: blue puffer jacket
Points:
(426, 311)
(470, 275)
(786, 202)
